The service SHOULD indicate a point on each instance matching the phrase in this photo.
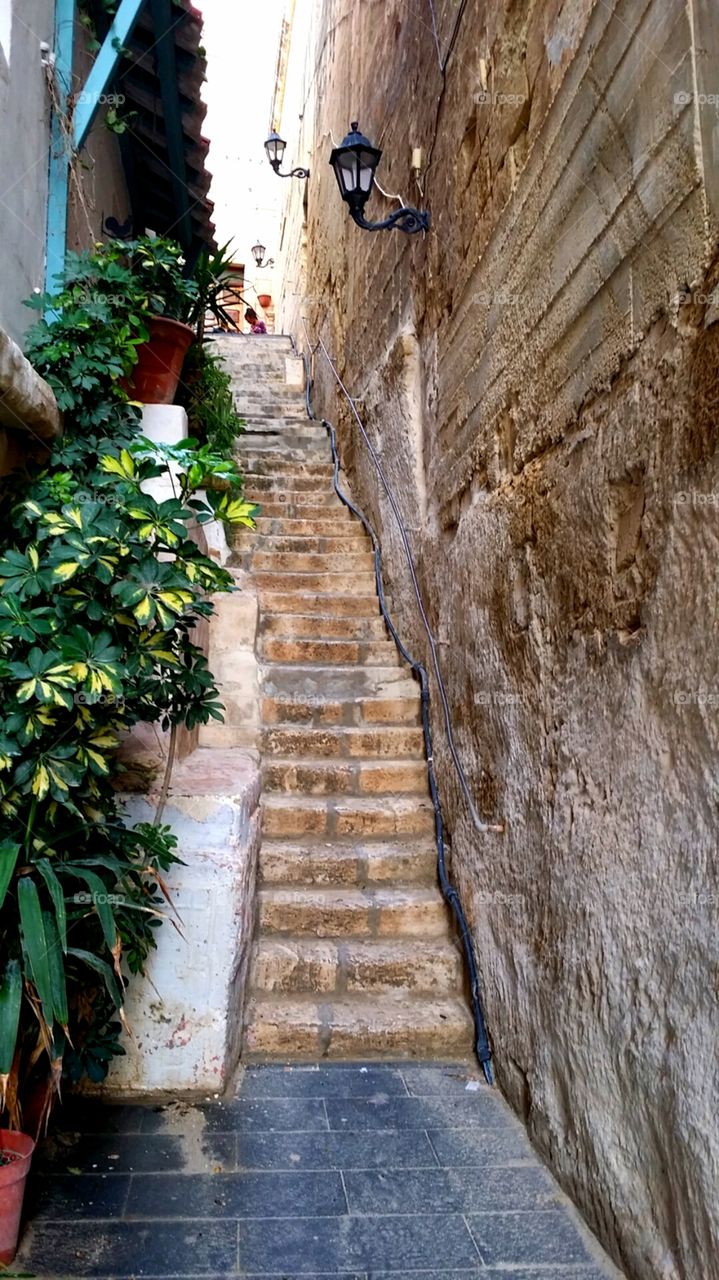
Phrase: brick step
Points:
(330, 816)
(411, 912)
(346, 743)
(321, 626)
(353, 863)
(349, 564)
(320, 604)
(349, 966)
(249, 539)
(345, 777)
(326, 650)
(318, 712)
(357, 1027)
(312, 681)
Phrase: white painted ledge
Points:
(186, 1013)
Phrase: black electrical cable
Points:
(450, 894)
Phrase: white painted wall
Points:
(5, 28)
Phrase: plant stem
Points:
(166, 780)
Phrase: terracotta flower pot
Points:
(159, 361)
(13, 1178)
(265, 300)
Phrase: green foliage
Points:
(158, 266)
(216, 287)
(206, 394)
(100, 591)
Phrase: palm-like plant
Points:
(214, 278)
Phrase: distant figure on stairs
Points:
(256, 326)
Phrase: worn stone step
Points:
(319, 604)
(251, 539)
(345, 584)
(357, 1027)
(304, 503)
(347, 966)
(335, 682)
(318, 711)
(347, 743)
(321, 626)
(348, 564)
(307, 522)
(346, 777)
(346, 652)
(330, 816)
(412, 912)
(292, 486)
(350, 862)
(314, 517)
(264, 466)
(262, 448)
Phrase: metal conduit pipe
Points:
(450, 894)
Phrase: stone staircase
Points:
(354, 954)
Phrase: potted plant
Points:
(169, 298)
(265, 300)
(15, 1155)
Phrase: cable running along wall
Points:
(450, 894)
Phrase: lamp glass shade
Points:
(354, 163)
(258, 253)
(275, 148)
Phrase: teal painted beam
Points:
(104, 68)
(59, 174)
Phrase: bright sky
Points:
(242, 40)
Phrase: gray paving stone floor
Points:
(329, 1172)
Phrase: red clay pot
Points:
(159, 361)
(13, 1178)
(265, 300)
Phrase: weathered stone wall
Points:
(540, 377)
(25, 150)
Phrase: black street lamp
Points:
(275, 148)
(258, 253)
(354, 163)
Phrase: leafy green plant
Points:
(206, 394)
(216, 288)
(101, 588)
(159, 267)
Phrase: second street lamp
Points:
(275, 148)
(354, 163)
(258, 253)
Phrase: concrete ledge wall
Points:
(539, 377)
(186, 1014)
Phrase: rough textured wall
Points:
(24, 151)
(541, 379)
